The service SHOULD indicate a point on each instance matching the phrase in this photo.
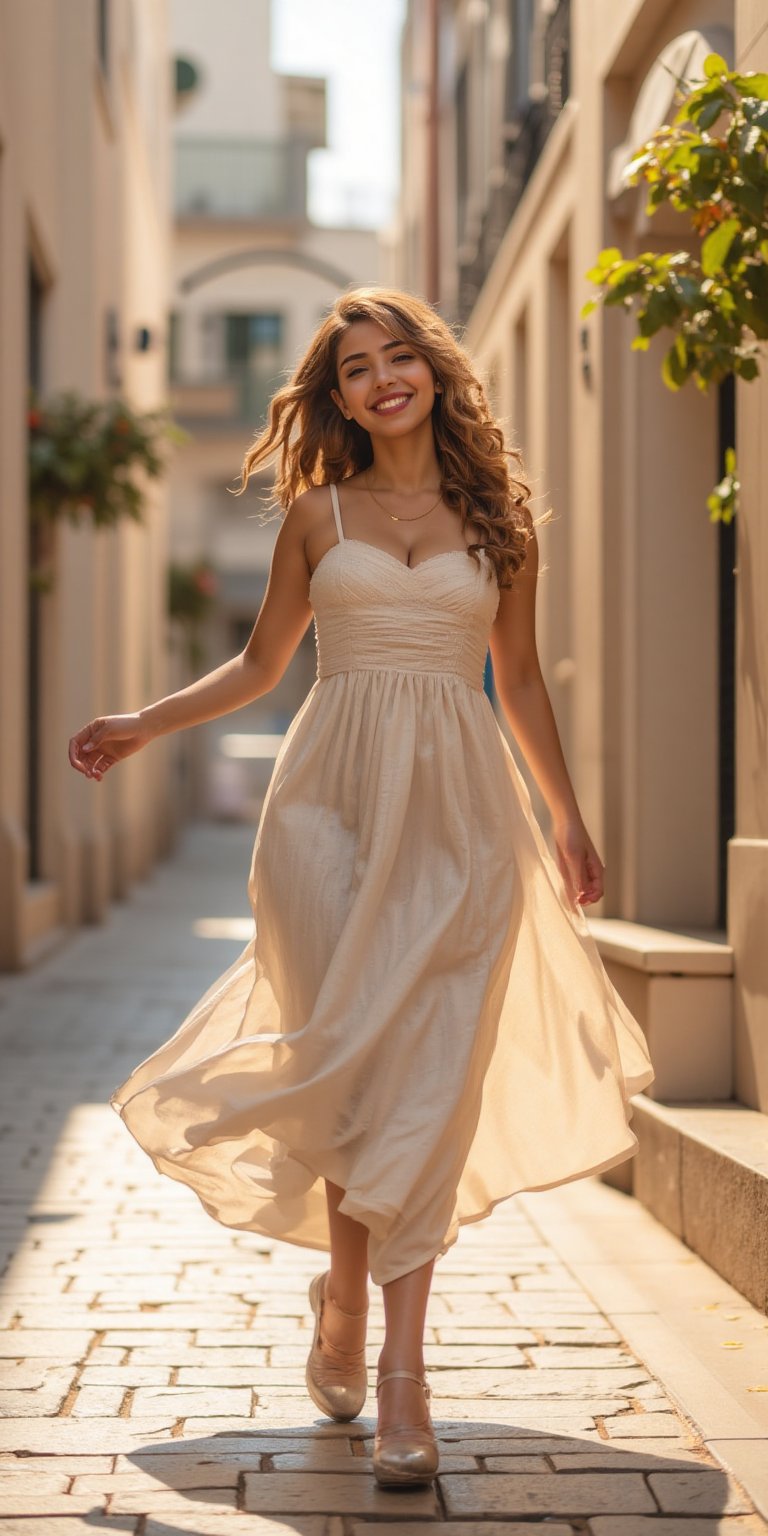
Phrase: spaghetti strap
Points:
(337, 513)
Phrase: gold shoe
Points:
(337, 1379)
(407, 1453)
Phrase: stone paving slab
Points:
(639, 1525)
(564, 1493)
(152, 1362)
(84, 1526)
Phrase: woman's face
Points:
(383, 384)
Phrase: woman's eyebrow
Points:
(353, 356)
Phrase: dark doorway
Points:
(726, 658)
(35, 301)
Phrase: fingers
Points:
(591, 882)
(582, 873)
(98, 768)
(84, 754)
(94, 766)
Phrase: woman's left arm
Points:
(526, 705)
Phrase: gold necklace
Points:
(403, 519)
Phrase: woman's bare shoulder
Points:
(308, 505)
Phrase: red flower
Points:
(34, 419)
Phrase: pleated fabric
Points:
(421, 1015)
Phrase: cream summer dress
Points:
(421, 1015)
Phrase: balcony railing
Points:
(240, 179)
(218, 402)
(522, 150)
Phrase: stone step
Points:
(702, 1170)
(679, 987)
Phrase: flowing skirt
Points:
(421, 1015)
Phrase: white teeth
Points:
(390, 405)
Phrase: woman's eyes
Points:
(402, 357)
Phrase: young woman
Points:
(421, 1025)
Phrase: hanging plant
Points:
(83, 456)
(710, 163)
(192, 591)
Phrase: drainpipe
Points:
(432, 223)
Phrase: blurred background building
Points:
(155, 248)
(85, 232)
(252, 277)
(518, 119)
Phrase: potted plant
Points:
(83, 459)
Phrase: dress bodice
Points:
(373, 611)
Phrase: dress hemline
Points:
(462, 1221)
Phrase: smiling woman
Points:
(420, 1024)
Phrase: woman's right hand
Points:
(106, 741)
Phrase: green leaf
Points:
(632, 283)
(714, 64)
(687, 288)
(752, 85)
(711, 111)
(640, 343)
(756, 112)
(747, 368)
(674, 371)
(748, 197)
(681, 348)
(716, 246)
(751, 313)
(586, 309)
(621, 270)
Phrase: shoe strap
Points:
(329, 1300)
(409, 1375)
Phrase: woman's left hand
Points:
(580, 866)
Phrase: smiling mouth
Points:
(392, 406)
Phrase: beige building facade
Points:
(85, 101)
(651, 632)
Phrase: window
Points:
(519, 60)
(249, 337)
(462, 153)
(102, 33)
(253, 349)
(174, 331)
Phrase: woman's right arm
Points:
(282, 621)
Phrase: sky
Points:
(356, 46)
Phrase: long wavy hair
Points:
(317, 445)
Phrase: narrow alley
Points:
(588, 1370)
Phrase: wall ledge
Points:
(662, 951)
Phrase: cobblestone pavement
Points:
(153, 1360)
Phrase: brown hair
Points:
(318, 446)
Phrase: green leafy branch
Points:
(83, 455)
(710, 163)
